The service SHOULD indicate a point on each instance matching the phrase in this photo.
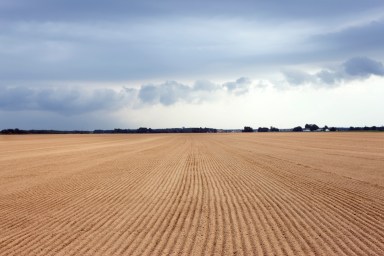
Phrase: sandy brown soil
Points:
(223, 194)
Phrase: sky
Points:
(222, 64)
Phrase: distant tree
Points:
(298, 129)
(314, 127)
(142, 130)
(263, 129)
(311, 127)
(247, 129)
(274, 129)
(333, 129)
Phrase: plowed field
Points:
(192, 194)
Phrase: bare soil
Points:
(192, 194)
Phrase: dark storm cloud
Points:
(352, 69)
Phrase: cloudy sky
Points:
(224, 64)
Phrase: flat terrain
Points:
(192, 194)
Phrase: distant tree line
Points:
(20, 131)
(366, 128)
(165, 130)
(114, 131)
(313, 128)
(260, 129)
(307, 127)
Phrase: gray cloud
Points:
(363, 67)
(72, 100)
(167, 93)
(148, 40)
(297, 77)
(359, 39)
(352, 69)
(238, 87)
(109, 51)
(98, 9)
(171, 92)
(67, 101)
(205, 85)
(329, 77)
